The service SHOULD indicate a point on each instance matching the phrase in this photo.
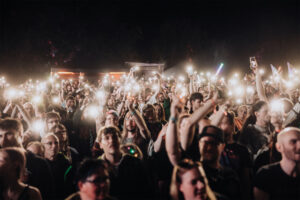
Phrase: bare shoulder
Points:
(34, 193)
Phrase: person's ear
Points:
(278, 147)
(221, 147)
(256, 114)
(80, 184)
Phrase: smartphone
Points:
(253, 63)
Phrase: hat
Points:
(214, 132)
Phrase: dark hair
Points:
(89, 167)
(252, 118)
(50, 115)
(108, 130)
(10, 123)
(230, 117)
(196, 95)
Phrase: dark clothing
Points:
(236, 157)
(223, 181)
(39, 175)
(76, 196)
(254, 138)
(128, 179)
(274, 181)
(154, 129)
(24, 195)
(59, 167)
(266, 157)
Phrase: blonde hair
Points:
(182, 168)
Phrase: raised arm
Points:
(187, 134)
(144, 131)
(259, 87)
(159, 141)
(172, 142)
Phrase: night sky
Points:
(35, 35)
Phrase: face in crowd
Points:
(288, 145)
(51, 144)
(52, 122)
(210, 148)
(111, 120)
(192, 185)
(109, 142)
(263, 114)
(10, 138)
(130, 124)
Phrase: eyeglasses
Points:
(98, 180)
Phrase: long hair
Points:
(137, 139)
(252, 118)
(182, 168)
(162, 117)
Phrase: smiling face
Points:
(51, 145)
(289, 146)
(192, 185)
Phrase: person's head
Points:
(12, 163)
(70, 103)
(160, 97)
(227, 125)
(36, 147)
(211, 144)
(159, 110)
(29, 108)
(51, 144)
(61, 133)
(109, 139)
(112, 118)
(11, 133)
(52, 119)
(276, 119)
(288, 144)
(149, 113)
(196, 100)
(189, 182)
(242, 112)
(93, 179)
(129, 123)
(259, 113)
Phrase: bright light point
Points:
(230, 93)
(201, 73)
(289, 84)
(233, 81)
(91, 112)
(127, 87)
(261, 71)
(100, 94)
(51, 80)
(57, 85)
(277, 78)
(208, 74)
(37, 99)
(38, 126)
(55, 100)
(189, 69)
(181, 78)
(250, 90)
(239, 101)
(11, 93)
(236, 75)
(276, 106)
(81, 77)
(155, 87)
(86, 85)
(239, 91)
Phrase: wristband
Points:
(173, 119)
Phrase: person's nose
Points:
(200, 184)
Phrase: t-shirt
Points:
(274, 181)
(236, 157)
(128, 179)
(223, 181)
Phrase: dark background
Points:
(35, 35)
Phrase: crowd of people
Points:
(156, 137)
